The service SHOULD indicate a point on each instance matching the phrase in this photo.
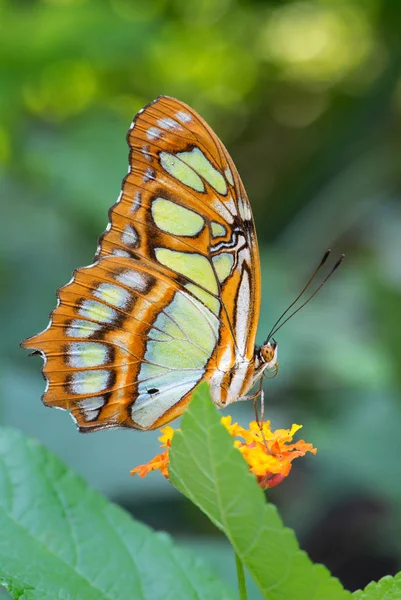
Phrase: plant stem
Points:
(241, 578)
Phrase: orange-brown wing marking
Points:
(96, 345)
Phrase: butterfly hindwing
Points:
(108, 358)
(173, 297)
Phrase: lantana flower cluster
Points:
(269, 454)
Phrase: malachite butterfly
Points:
(173, 296)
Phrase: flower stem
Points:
(241, 578)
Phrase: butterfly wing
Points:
(173, 296)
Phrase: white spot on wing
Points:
(90, 407)
(244, 209)
(136, 203)
(231, 205)
(183, 116)
(167, 123)
(219, 207)
(122, 253)
(149, 175)
(229, 176)
(130, 236)
(146, 153)
(90, 415)
(133, 279)
(91, 403)
(153, 133)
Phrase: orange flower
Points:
(269, 454)
(161, 460)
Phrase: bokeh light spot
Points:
(65, 88)
(316, 42)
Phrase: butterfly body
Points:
(173, 296)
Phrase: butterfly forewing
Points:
(173, 297)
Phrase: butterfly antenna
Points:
(320, 265)
(338, 263)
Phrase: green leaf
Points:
(60, 539)
(388, 588)
(207, 468)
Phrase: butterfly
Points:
(173, 295)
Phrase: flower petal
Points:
(159, 462)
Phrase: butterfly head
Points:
(268, 354)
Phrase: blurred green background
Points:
(306, 95)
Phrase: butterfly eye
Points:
(267, 352)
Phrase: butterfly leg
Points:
(256, 396)
(262, 406)
(260, 419)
